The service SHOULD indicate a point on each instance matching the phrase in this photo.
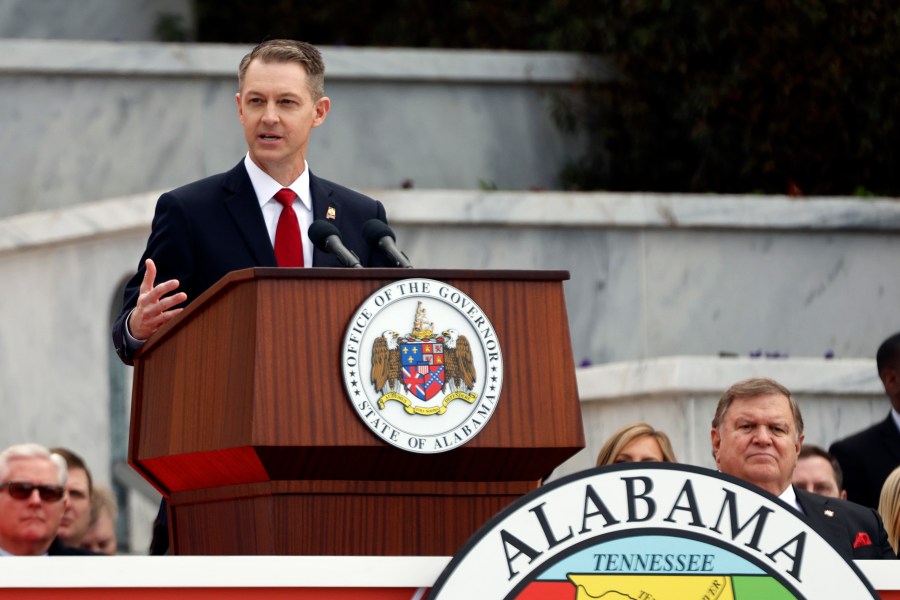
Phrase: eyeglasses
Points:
(21, 490)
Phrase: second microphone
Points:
(327, 238)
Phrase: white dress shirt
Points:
(789, 497)
(266, 188)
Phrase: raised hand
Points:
(154, 308)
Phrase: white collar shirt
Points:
(266, 188)
(789, 497)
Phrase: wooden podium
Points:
(241, 419)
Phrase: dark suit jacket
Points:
(57, 548)
(841, 522)
(208, 228)
(867, 458)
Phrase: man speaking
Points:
(258, 213)
(756, 436)
(255, 215)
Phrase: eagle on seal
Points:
(386, 362)
(459, 368)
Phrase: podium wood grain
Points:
(240, 417)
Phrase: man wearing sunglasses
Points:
(32, 501)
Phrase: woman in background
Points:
(889, 507)
(101, 534)
(637, 442)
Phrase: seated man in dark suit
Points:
(32, 502)
(868, 457)
(756, 436)
(79, 492)
(818, 472)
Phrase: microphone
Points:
(327, 238)
(379, 235)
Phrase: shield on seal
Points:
(422, 367)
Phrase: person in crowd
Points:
(255, 215)
(101, 534)
(32, 502)
(867, 457)
(636, 442)
(756, 436)
(818, 472)
(889, 507)
(79, 488)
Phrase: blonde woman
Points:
(889, 507)
(637, 442)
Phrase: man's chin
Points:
(265, 157)
(763, 477)
(762, 458)
(37, 534)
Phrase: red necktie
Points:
(288, 249)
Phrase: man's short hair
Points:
(33, 451)
(289, 51)
(751, 388)
(76, 462)
(888, 353)
(810, 450)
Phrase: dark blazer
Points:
(867, 458)
(57, 548)
(208, 228)
(845, 525)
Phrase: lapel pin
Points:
(829, 512)
(330, 214)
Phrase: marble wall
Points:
(95, 120)
(651, 276)
(678, 395)
(657, 275)
(112, 20)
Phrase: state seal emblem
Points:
(422, 365)
(649, 531)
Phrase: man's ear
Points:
(843, 494)
(323, 106)
(891, 380)
(237, 98)
(716, 442)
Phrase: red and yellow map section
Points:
(639, 587)
(653, 568)
(658, 587)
